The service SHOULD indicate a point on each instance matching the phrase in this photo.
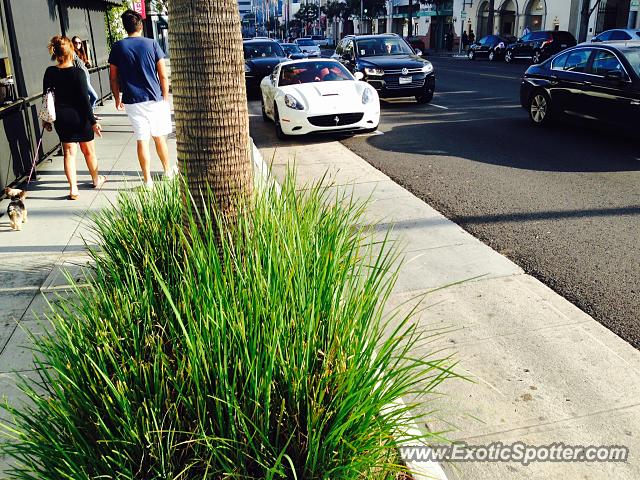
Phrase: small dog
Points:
(16, 210)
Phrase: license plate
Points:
(405, 80)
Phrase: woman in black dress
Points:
(75, 122)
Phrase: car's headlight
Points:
(374, 71)
(247, 68)
(427, 67)
(367, 96)
(292, 102)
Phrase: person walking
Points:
(465, 40)
(526, 31)
(137, 69)
(81, 60)
(472, 36)
(75, 123)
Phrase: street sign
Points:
(463, 14)
(139, 7)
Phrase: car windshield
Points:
(372, 47)
(308, 72)
(291, 48)
(633, 55)
(262, 49)
(306, 42)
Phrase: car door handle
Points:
(587, 83)
(554, 79)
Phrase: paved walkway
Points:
(543, 371)
(31, 260)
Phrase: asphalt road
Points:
(563, 202)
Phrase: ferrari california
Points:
(318, 95)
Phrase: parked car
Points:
(388, 64)
(598, 81)
(260, 57)
(492, 47)
(320, 40)
(308, 46)
(318, 95)
(617, 34)
(538, 46)
(293, 51)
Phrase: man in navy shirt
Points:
(138, 71)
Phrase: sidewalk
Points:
(31, 260)
(543, 371)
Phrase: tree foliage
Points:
(308, 13)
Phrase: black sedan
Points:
(260, 57)
(595, 82)
(491, 47)
(389, 65)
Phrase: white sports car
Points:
(318, 95)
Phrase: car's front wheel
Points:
(425, 97)
(276, 118)
(540, 112)
(508, 56)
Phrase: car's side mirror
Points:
(595, 39)
(359, 75)
(418, 52)
(614, 76)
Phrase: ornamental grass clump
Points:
(205, 352)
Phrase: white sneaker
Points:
(148, 185)
(172, 172)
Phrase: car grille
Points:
(399, 71)
(330, 120)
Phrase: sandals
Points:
(72, 196)
(101, 180)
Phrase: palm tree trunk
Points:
(212, 122)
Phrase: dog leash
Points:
(35, 159)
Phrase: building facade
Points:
(26, 26)
(511, 17)
(434, 25)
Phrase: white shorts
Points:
(149, 119)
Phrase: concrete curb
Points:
(424, 470)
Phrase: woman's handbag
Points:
(48, 111)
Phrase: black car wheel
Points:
(492, 55)
(426, 97)
(537, 56)
(508, 57)
(540, 113)
(279, 133)
(471, 55)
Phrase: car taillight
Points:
(548, 41)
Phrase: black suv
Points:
(389, 65)
(260, 57)
(538, 46)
